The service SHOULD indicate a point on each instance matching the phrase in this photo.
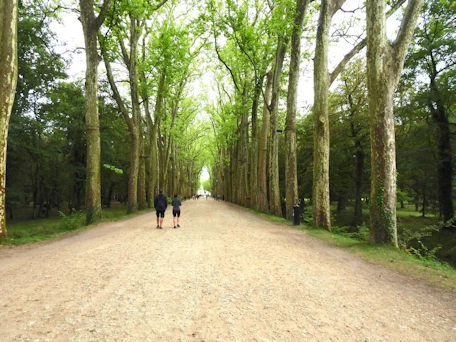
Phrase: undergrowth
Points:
(41, 229)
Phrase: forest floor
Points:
(225, 275)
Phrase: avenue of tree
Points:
(379, 134)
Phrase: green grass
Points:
(428, 270)
(270, 217)
(27, 231)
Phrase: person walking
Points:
(176, 203)
(160, 204)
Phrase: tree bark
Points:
(274, 189)
(291, 171)
(320, 195)
(359, 179)
(444, 154)
(142, 204)
(91, 25)
(263, 204)
(133, 122)
(384, 67)
(154, 138)
(243, 145)
(135, 138)
(8, 81)
(234, 172)
(322, 80)
(254, 147)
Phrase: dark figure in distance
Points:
(160, 204)
(176, 203)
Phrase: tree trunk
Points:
(109, 197)
(132, 205)
(142, 204)
(155, 160)
(234, 172)
(229, 176)
(243, 146)
(254, 147)
(263, 205)
(155, 163)
(133, 122)
(444, 155)
(91, 25)
(384, 66)
(320, 195)
(322, 80)
(168, 151)
(274, 189)
(291, 177)
(92, 129)
(424, 201)
(359, 179)
(341, 202)
(135, 134)
(8, 81)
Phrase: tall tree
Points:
(8, 81)
(320, 192)
(40, 69)
(91, 25)
(263, 203)
(385, 61)
(291, 177)
(350, 129)
(322, 81)
(434, 54)
(274, 189)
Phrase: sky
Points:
(204, 175)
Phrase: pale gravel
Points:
(226, 275)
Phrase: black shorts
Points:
(160, 213)
(176, 213)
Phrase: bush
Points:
(412, 242)
(73, 221)
(360, 233)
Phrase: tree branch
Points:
(125, 56)
(336, 5)
(102, 16)
(340, 67)
(224, 63)
(358, 47)
(114, 88)
(160, 5)
(405, 34)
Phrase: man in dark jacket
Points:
(160, 204)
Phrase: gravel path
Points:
(226, 275)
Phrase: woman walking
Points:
(176, 203)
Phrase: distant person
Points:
(160, 204)
(176, 203)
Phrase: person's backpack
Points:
(161, 205)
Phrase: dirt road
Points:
(226, 275)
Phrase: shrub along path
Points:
(226, 275)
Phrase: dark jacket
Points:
(160, 202)
(176, 203)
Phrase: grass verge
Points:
(429, 271)
(23, 232)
